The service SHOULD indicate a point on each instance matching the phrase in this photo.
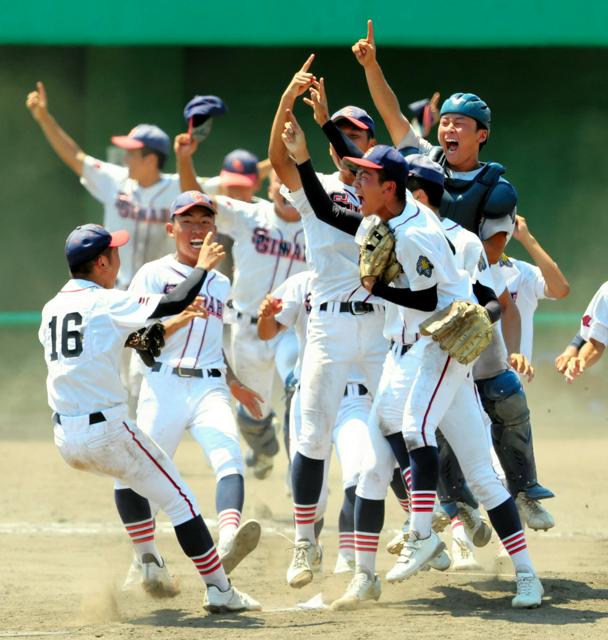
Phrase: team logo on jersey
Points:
(586, 320)
(482, 265)
(307, 305)
(424, 266)
(130, 210)
(265, 243)
(345, 199)
(505, 261)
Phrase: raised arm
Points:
(59, 140)
(184, 146)
(277, 152)
(383, 96)
(556, 285)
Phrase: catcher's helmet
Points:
(468, 104)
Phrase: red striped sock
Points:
(405, 504)
(304, 517)
(211, 570)
(346, 541)
(422, 503)
(366, 547)
(407, 476)
(517, 548)
(228, 521)
(142, 537)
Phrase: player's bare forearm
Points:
(510, 322)
(187, 174)
(283, 165)
(556, 284)
(63, 145)
(264, 168)
(268, 328)
(591, 353)
(387, 103)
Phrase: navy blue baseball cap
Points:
(190, 199)
(360, 118)
(421, 166)
(144, 135)
(468, 104)
(383, 157)
(87, 241)
(240, 169)
(201, 108)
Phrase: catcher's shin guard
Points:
(258, 434)
(452, 485)
(505, 402)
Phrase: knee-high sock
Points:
(135, 513)
(425, 472)
(369, 518)
(346, 524)
(507, 524)
(307, 480)
(229, 498)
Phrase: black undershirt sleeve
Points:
(326, 210)
(578, 341)
(487, 298)
(179, 298)
(342, 144)
(423, 300)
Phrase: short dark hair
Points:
(400, 191)
(434, 191)
(85, 268)
(161, 158)
(480, 126)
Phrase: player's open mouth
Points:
(197, 244)
(361, 198)
(451, 145)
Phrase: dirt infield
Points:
(64, 556)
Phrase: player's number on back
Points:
(71, 338)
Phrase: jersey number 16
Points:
(71, 338)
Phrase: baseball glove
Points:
(147, 342)
(463, 329)
(377, 254)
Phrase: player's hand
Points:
(302, 80)
(522, 365)
(37, 103)
(294, 138)
(368, 282)
(561, 362)
(248, 398)
(521, 231)
(318, 102)
(185, 145)
(574, 370)
(270, 307)
(365, 49)
(211, 254)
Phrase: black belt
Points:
(356, 307)
(404, 347)
(361, 388)
(94, 418)
(184, 372)
(252, 319)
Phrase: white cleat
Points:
(441, 562)
(316, 564)
(529, 591)
(344, 564)
(133, 579)
(414, 555)
(476, 527)
(463, 556)
(236, 548)
(305, 555)
(155, 578)
(533, 513)
(440, 519)
(396, 544)
(263, 466)
(230, 601)
(361, 588)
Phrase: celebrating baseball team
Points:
(381, 295)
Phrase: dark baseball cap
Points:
(356, 116)
(190, 199)
(201, 108)
(240, 169)
(144, 135)
(421, 166)
(383, 157)
(87, 241)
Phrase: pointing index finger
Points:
(306, 65)
(370, 32)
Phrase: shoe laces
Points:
(300, 559)
(466, 516)
(465, 551)
(525, 583)
(533, 505)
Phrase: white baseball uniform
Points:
(266, 251)
(172, 398)
(142, 211)
(338, 336)
(83, 331)
(594, 323)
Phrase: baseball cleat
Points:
(529, 591)
(263, 466)
(230, 601)
(133, 579)
(476, 527)
(316, 564)
(305, 555)
(463, 557)
(441, 562)
(236, 548)
(344, 564)
(415, 554)
(396, 544)
(155, 578)
(533, 514)
(440, 519)
(361, 588)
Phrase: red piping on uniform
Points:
(408, 219)
(293, 255)
(276, 264)
(352, 293)
(198, 353)
(77, 290)
(426, 413)
(157, 465)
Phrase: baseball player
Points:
(434, 388)
(345, 323)
(83, 330)
(268, 248)
(594, 332)
(187, 388)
